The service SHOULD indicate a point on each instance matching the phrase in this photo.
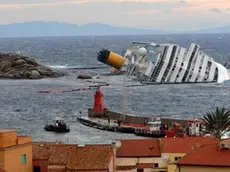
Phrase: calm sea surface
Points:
(24, 109)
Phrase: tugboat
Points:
(59, 126)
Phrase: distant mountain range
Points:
(40, 29)
(225, 29)
(36, 29)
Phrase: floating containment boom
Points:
(166, 63)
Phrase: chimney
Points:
(115, 146)
(160, 145)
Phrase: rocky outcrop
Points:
(16, 66)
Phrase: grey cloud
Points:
(113, 13)
(215, 10)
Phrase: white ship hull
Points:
(170, 63)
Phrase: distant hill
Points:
(38, 29)
(225, 29)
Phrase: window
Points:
(140, 170)
(156, 165)
(24, 159)
(177, 158)
(36, 168)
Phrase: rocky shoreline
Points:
(16, 66)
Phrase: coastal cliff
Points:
(16, 66)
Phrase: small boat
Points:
(59, 126)
(154, 131)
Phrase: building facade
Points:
(15, 152)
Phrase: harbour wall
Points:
(131, 119)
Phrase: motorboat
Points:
(59, 126)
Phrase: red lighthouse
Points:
(98, 101)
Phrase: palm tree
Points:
(216, 122)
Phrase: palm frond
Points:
(217, 121)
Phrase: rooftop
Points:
(61, 154)
(91, 157)
(88, 157)
(209, 155)
(9, 138)
(139, 148)
(3, 131)
(55, 153)
(185, 145)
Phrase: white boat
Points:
(166, 63)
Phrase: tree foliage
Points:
(216, 122)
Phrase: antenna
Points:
(124, 101)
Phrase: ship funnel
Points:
(110, 58)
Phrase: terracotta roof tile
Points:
(139, 148)
(61, 153)
(145, 165)
(91, 157)
(209, 155)
(41, 152)
(125, 167)
(56, 154)
(184, 145)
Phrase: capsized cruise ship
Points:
(166, 63)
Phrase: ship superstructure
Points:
(166, 63)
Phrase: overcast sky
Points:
(153, 14)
